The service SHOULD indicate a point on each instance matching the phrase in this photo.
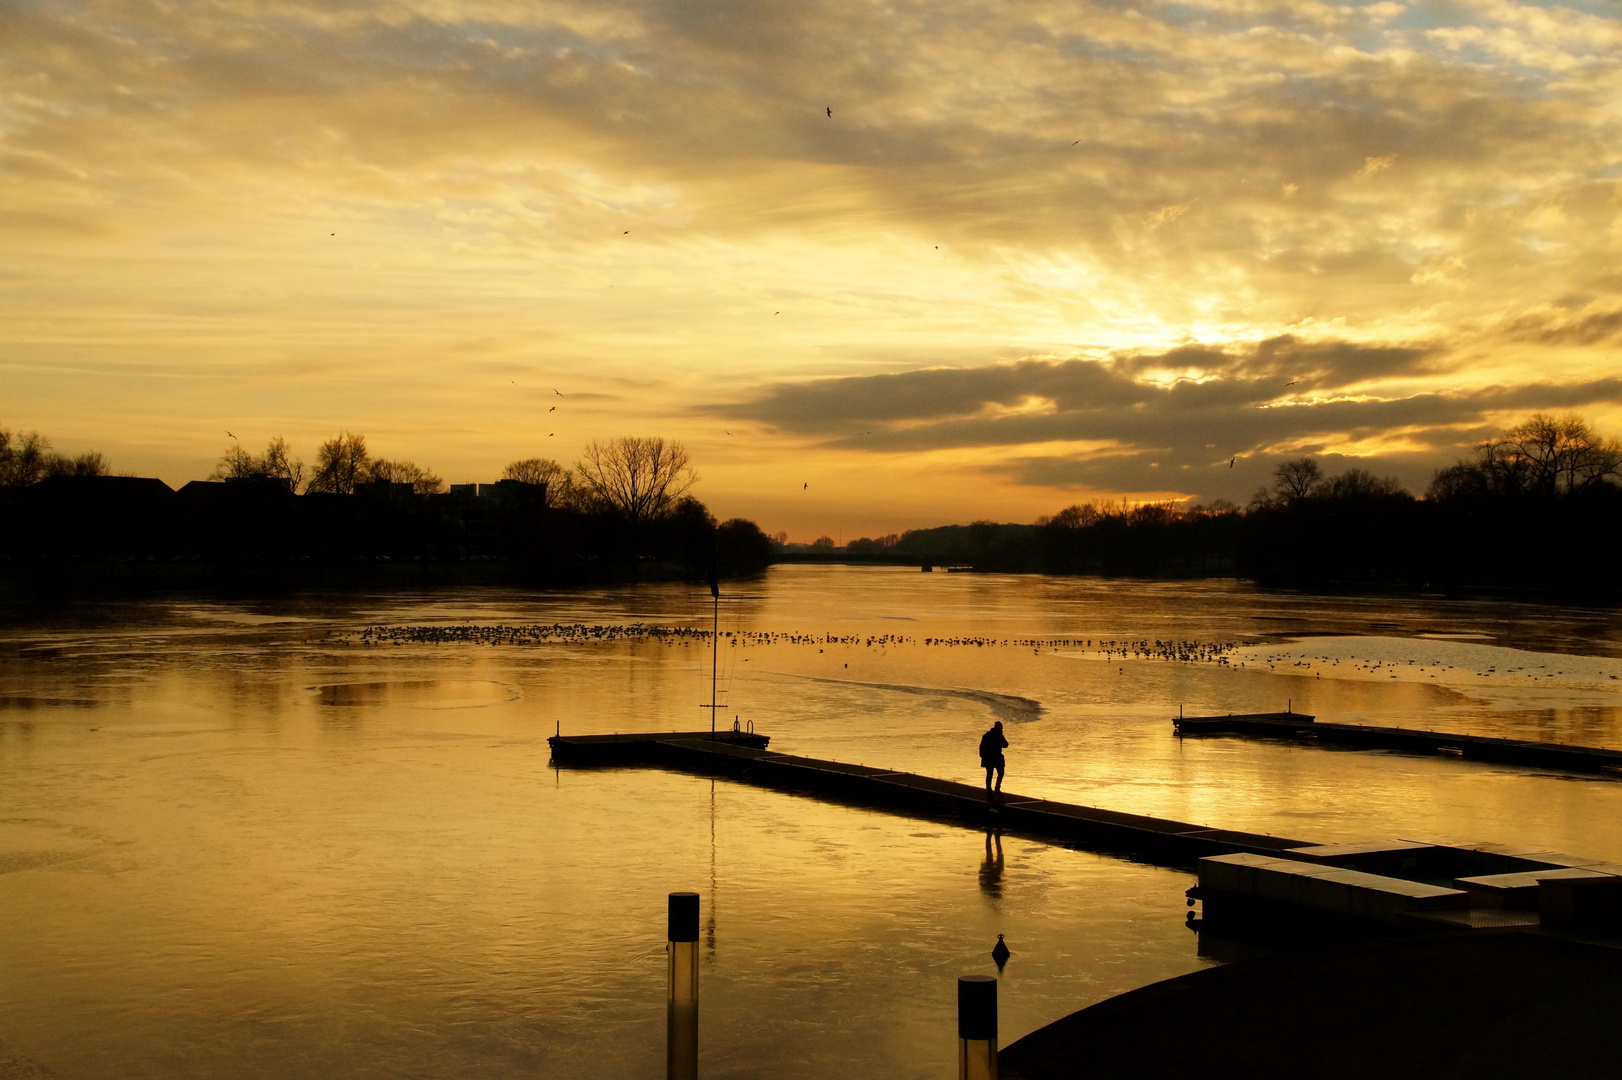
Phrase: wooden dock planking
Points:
(1298, 726)
(743, 757)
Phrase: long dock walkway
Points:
(1302, 728)
(743, 756)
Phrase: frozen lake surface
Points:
(319, 836)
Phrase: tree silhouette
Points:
(340, 464)
(560, 485)
(1362, 484)
(28, 459)
(1295, 480)
(422, 481)
(277, 463)
(1556, 454)
(1544, 457)
(639, 478)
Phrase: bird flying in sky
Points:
(830, 112)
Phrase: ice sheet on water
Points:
(1446, 661)
(1010, 707)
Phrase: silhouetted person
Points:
(992, 745)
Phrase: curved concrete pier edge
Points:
(1477, 1005)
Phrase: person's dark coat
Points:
(992, 745)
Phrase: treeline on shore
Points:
(1536, 509)
(622, 512)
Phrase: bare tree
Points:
(280, 464)
(277, 463)
(1161, 513)
(1456, 481)
(639, 477)
(1295, 480)
(340, 464)
(27, 459)
(1077, 516)
(1362, 484)
(1546, 455)
(1553, 455)
(23, 458)
(422, 481)
(89, 463)
(560, 485)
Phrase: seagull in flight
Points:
(1289, 384)
(1232, 460)
(805, 486)
(553, 409)
(233, 436)
(830, 112)
(555, 391)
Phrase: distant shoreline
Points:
(63, 578)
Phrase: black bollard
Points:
(977, 1027)
(681, 1047)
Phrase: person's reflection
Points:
(991, 869)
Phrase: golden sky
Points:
(1040, 252)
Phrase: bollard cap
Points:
(976, 1007)
(684, 916)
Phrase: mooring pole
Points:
(715, 630)
(715, 656)
(681, 1031)
(977, 1027)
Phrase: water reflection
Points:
(286, 855)
(991, 870)
(417, 693)
(26, 703)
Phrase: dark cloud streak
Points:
(1160, 435)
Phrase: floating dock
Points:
(743, 756)
(1245, 879)
(1300, 728)
(1409, 885)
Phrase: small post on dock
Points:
(977, 1027)
(681, 1031)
